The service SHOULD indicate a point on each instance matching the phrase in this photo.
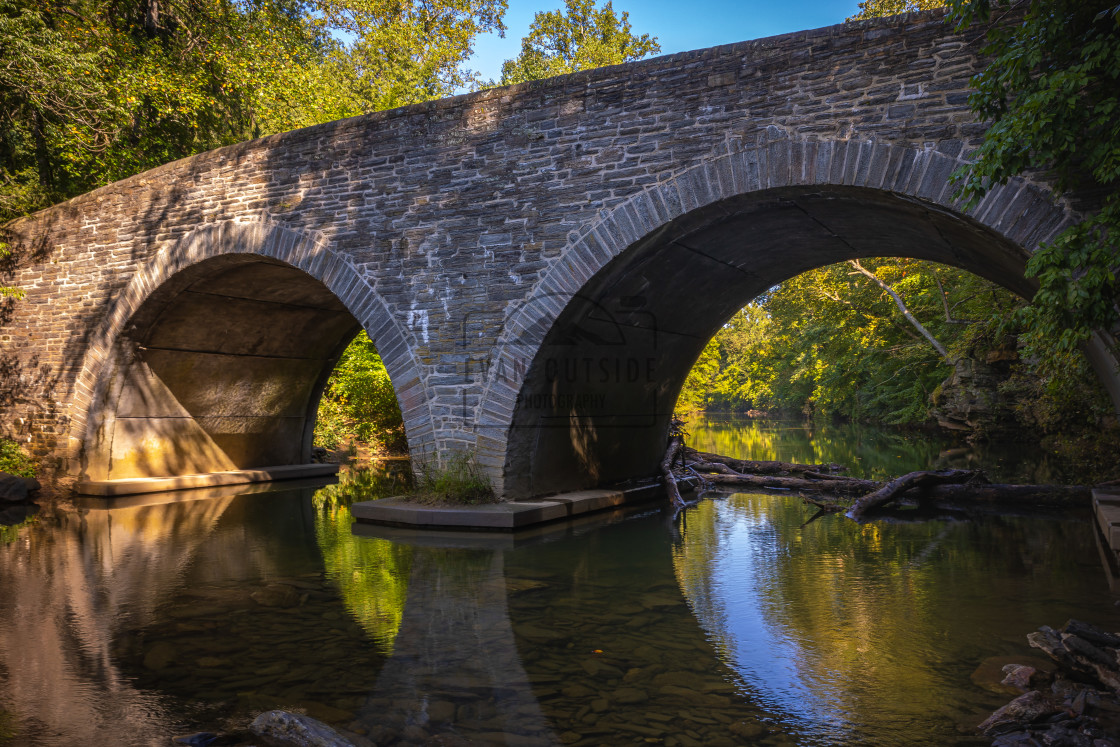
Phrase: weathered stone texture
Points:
(438, 224)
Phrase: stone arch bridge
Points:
(539, 266)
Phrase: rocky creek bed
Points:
(642, 682)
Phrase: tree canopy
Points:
(878, 8)
(92, 91)
(837, 342)
(1052, 95)
(582, 37)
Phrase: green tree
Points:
(47, 78)
(92, 91)
(879, 8)
(1052, 95)
(835, 341)
(360, 403)
(701, 379)
(406, 51)
(580, 38)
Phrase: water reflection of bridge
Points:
(117, 621)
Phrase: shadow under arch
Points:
(689, 253)
(215, 356)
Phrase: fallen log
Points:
(676, 443)
(896, 487)
(718, 467)
(843, 487)
(829, 476)
(759, 468)
(956, 495)
(953, 488)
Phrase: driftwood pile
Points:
(823, 484)
(1076, 705)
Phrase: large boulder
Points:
(284, 729)
(970, 399)
(16, 489)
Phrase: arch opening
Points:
(596, 399)
(222, 367)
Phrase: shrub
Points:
(13, 460)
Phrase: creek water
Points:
(735, 622)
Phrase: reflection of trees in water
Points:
(876, 452)
(879, 623)
(866, 451)
(372, 574)
(86, 599)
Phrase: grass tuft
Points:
(460, 480)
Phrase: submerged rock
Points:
(199, 739)
(1023, 677)
(992, 672)
(277, 595)
(1076, 705)
(284, 729)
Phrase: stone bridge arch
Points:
(567, 406)
(216, 353)
(462, 233)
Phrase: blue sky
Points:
(679, 25)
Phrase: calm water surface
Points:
(879, 453)
(735, 623)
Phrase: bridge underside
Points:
(221, 369)
(598, 394)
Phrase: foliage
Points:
(459, 480)
(580, 38)
(879, 8)
(360, 403)
(14, 461)
(92, 91)
(1052, 94)
(832, 342)
(405, 52)
(7, 291)
(701, 379)
(96, 90)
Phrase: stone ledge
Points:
(1106, 508)
(138, 485)
(399, 512)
